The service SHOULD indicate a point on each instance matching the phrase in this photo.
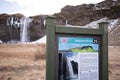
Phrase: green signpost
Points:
(75, 53)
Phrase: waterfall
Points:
(44, 22)
(24, 29)
(11, 21)
(71, 74)
(23, 24)
(66, 22)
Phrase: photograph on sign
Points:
(78, 58)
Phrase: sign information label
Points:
(78, 58)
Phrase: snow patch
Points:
(111, 23)
(1, 41)
(95, 24)
(115, 0)
(41, 40)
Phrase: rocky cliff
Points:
(5, 30)
(10, 29)
(37, 27)
(86, 13)
(90, 14)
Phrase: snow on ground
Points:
(41, 40)
(1, 41)
(111, 23)
(95, 24)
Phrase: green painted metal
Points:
(50, 62)
(53, 30)
(74, 30)
(104, 53)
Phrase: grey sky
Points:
(35, 7)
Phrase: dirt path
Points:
(114, 63)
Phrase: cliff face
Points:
(12, 31)
(5, 30)
(86, 13)
(37, 27)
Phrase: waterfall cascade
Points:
(72, 75)
(24, 29)
(23, 23)
(70, 69)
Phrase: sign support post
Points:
(104, 49)
(50, 58)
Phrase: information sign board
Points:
(75, 53)
(78, 58)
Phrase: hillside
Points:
(86, 13)
(91, 14)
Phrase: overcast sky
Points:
(35, 7)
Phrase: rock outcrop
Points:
(10, 32)
(5, 30)
(37, 27)
(86, 13)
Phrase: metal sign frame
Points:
(54, 31)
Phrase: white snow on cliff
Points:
(95, 24)
(111, 23)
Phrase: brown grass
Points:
(22, 61)
(29, 51)
(114, 63)
(27, 62)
